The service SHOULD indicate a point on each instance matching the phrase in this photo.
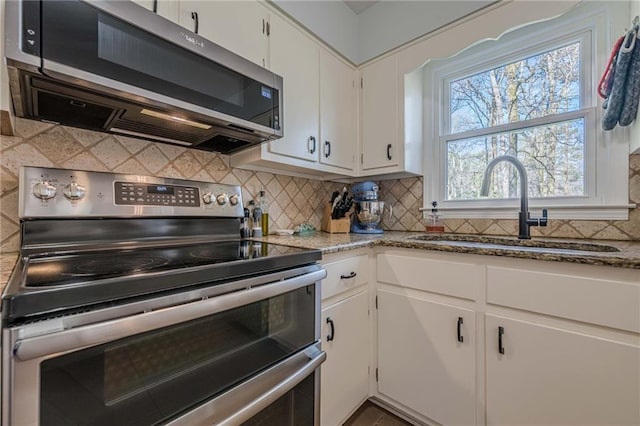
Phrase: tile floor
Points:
(370, 414)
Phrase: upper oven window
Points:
(156, 376)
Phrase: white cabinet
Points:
(319, 111)
(427, 334)
(553, 376)
(426, 357)
(337, 112)
(165, 8)
(346, 336)
(344, 381)
(296, 58)
(7, 119)
(239, 26)
(380, 114)
(390, 120)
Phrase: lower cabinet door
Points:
(344, 380)
(552, 376)
(426, 357)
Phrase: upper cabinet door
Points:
(166, 8)
(239, 26)
(295, 57)
(380, 130)
(337, 112)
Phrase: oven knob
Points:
(233, 200)
(44, 190)
(74, 191)
(222, 199)
(206, 198)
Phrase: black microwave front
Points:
(115, 66)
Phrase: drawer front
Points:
(609, 303)
(456, 279)
(344, 275)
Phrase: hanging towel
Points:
(632, 92)
(616, 98)
(604, 86)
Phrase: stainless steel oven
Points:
(175, 328)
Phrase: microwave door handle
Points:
(246, 400)
(109, 331)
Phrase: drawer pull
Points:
(460, 337)
(331, 335)
(346, 277)
(500, 333)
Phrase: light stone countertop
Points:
(627, 257)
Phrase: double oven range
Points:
(135, 302)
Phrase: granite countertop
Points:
(560, 250)
(628, 255)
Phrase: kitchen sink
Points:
(507, 243)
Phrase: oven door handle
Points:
(244, 401)
(109, 331)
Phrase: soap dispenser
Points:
(434, 224)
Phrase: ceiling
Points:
(359, 6)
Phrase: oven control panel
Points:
(136, 194)
(48, 192)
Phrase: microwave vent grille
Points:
(167, 131)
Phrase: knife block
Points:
(335, 226)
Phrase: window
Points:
(535, 101)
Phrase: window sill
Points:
(565, 212)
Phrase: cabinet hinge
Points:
(376, 302)
(376, 374)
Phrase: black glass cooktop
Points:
(50, 283)
(48, 271)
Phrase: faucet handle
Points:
(544, 219)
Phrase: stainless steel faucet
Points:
(525, 222)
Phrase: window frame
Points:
(605, 186)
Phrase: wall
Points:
(292, 200)
(405, 195)
(635, 126)
(382, 27)
(331, 21)
(389, 24)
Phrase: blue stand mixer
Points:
(368, 210)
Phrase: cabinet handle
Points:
(327, 149)
(155, 6)
(194, 16)
(346, 277)
(389, 152)
(313, 149)
(500, 333)
(331, 335)
(460, 337)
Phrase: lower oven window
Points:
(155, 376)
(295, 408)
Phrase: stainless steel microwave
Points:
(114, 66)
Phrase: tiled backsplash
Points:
(291, 200)
(406, 197)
